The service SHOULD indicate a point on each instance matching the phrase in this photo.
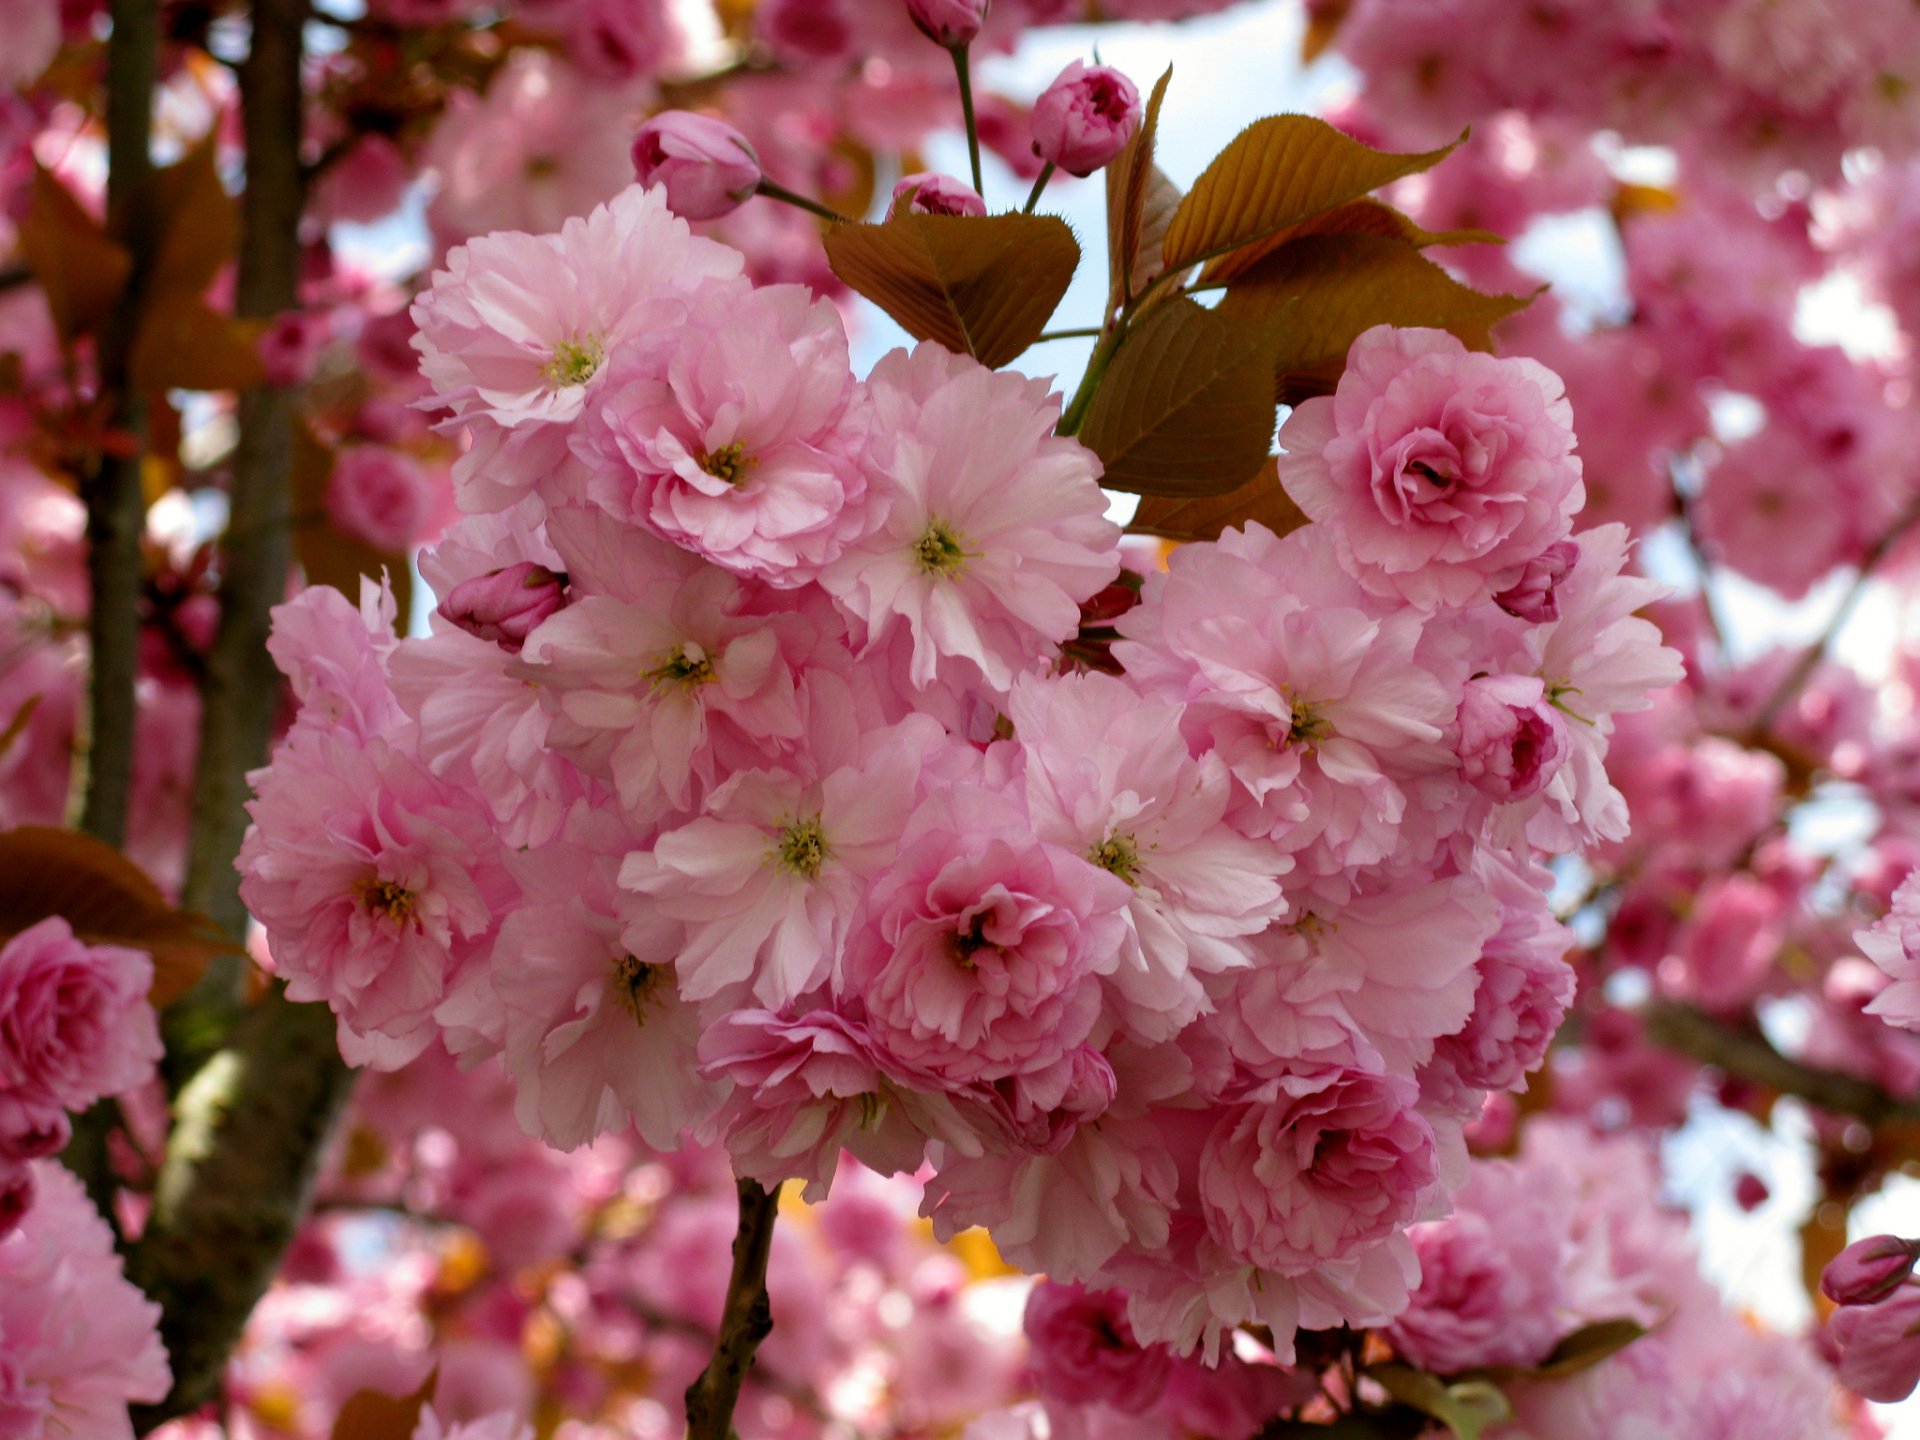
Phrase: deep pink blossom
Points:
(1085, 117)
(948, 22)
(1511, 740)
(505, 605)
(1083, 1350)
(1879, 1351)
(706, 167)
(74, 1020)
(927, 192)
(1868, 1271)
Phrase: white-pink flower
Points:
(1893, 943)
(1440, 471)
(993, 531)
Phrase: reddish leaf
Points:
(185, 344)
(1186, 407)
(108, 900)
(199, 227)
(1203, 517)
(1358, 217)
(81, 271)
(1276, 173)
(1130, 192)
(370, 1415)
(982, 285)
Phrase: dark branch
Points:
(744, 1323)
(1749, 1055)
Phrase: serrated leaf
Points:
(1130, 187)
(1356, 217)
(370, 1415)
(982, 285)
(199, 225)
(1588, 1346)
(1186, 407)
(80, 270)
(1320, 293)
(1275, 174)
(185, 344)
(1467, 1407)
(328, 556)
(1203, 517)
(108, 900)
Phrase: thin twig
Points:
(744, 1323)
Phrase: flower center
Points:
(687, 666)
(802, 849)
(574, 362)
(387, 897)
(967, 943)
(635, 985)
(1307, 726)
(938, 551)
(1119, 854)
(730, 463)
(1438, 479)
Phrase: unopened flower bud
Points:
(1511, 740)
(1879, 1345)
(1085, 118)
(951, 23)
(1534, 596)
(505, 605)
(929, 193)
(709, 168)
(1868, 1270)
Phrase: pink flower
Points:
(16, 1193)
(707, 167)
(1525, 986)
(1085, 118)
(977, 949)
(730, 434)
(1441, 472)
(382, 497)
(1082, 1350)
(291, 345)
(74, 1020)
(516, 330)
(1511, 741)
(32, 1127)
(951, 23)
(1879, 1347)
(993, 530)
(1315, 1166)
(1868, 1271)
(929, 193)
(505, 605)
(375, 883)
(1533, 597)
(78, 1341)
(808, 1086)
(1893, 943)
(1109, 776)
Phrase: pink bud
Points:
(505, 605)
(1879, 1347)
(707, 166)
(1868, 1270)
(1511, 740)
(1533, 596)
(951, 23)
(1085, 118)
(290, 345)
(928, 193)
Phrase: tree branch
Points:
(1749, 1055)
(248, 1132)
(744, 1323)
(116, 509)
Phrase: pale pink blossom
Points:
(78, 1341)
(383, 497)
(1439, 471)
(994, 529)
(1893, 943)
(729, 433)
(375, 882)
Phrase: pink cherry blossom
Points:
(1440, 472)
(1893, 943)
(74, 1019)
(706, 167)
(1083, 1349)
(1085, 117)
(929, 193)
(994, 529)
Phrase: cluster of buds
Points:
(1877, 1327)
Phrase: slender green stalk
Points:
(1039, 187)
(964, 71)
(1087, 334)
(789, 197)
(1076, 412)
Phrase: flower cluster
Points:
(742, 789)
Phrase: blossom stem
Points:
(789, 197)
(746, 1320)
(963, 70)
(1039, 187)
(1076, 412)
(1088, 333)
